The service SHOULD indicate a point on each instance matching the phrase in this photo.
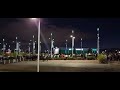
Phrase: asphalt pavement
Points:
(61, 66)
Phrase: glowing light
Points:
(79, 49)
(71, 36)
(33, 18)
(97, 29)
(72, 31)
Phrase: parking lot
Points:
(61, 66)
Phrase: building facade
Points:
(77, 50)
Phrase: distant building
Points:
(77, 50)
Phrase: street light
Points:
(19, 49)
(81, 45)
(51, 45)
(72, 43)
(33, 45)
(66, 47)
(4, 46)
(98, 48)
(29, 48)
(52, 41)
(17, 46)
(39, 49)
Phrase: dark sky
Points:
(61, 29)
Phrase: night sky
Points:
(61, 28)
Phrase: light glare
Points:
(33, 18)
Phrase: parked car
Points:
(91, 56)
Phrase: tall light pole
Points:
(51, 45)
(72, 43)
(39, 49)
(53, 41)
(72, 36)
(98, 47)
(81, 45)
(33, 45)
(29, 48)
(4, 46)
(66, 47)
(17, 46)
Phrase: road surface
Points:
(61, 66)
